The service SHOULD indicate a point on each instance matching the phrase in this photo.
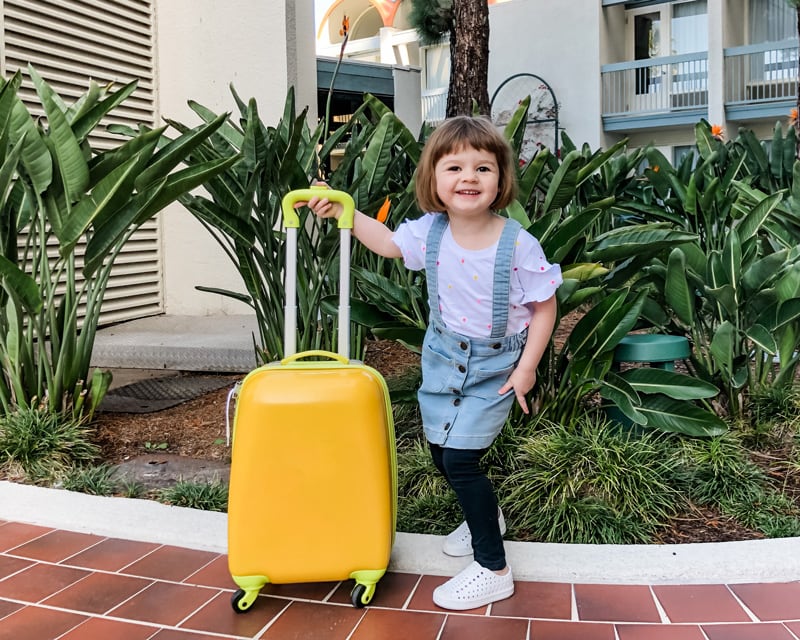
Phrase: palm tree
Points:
(467, 23)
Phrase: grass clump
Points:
(97, 481)
(719, 473)
(207, 496)
(592, 484)
(39, 445)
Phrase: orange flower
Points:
(656, 168)
(717, 131)
(345, 26)
(793, 116)
(383, 212)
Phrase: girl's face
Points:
(467, 181)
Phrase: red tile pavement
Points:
(61, 585)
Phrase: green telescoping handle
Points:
(291, 222)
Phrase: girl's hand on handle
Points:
(372, 234)
(321, 206)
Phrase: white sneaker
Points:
(474, 587)
(459, 542)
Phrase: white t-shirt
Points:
(466, 277)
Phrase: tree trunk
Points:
(469, 58)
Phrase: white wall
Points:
(203, 46)
(558, 41)
(408, 97)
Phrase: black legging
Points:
(462, 470)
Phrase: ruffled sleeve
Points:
(537, 278)
(411, 237)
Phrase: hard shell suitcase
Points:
(313, 484)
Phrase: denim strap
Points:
(502, 277)
(502, 272)
(432, 245)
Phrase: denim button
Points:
(456, 391)
(446, 426)
(463, 345)
(456, 402)
(496, 345)
(461, 368)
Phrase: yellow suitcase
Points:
(313, 488)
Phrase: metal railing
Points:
(761, 73)
(434, 105)
(656, 85)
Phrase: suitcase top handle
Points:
(291, 219)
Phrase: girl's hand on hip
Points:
(521, 381)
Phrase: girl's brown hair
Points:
(453, 135)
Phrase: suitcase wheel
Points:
(241, 600)
(361, 595)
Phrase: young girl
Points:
(492, 313)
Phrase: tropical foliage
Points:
(57, 191)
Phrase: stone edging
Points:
(775, 560)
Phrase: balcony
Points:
(761, 80)
(657, 92)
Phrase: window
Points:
(771, 21)
(664, 31)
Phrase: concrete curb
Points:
(775, 560)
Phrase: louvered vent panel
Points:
(70, 42)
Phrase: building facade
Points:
(637, 69)
(178, 50)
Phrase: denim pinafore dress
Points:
(461, 375)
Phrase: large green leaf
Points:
(604, 325)
(35, 155)
(624, 397)
(565, 182)
(670, 383)
(675, 416)
(706, 144)
(644, 239)
(66, 147)
(108, 194)
(723, 346)
(514, 130)
(21, 285)
(788, 285)
(732, 258)
(726, 297)
(378, 155)
(570, 231)
(516, 211)
(752, 222)
(677, 292)
(758, 274)
(762, 338)
(531, 175)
